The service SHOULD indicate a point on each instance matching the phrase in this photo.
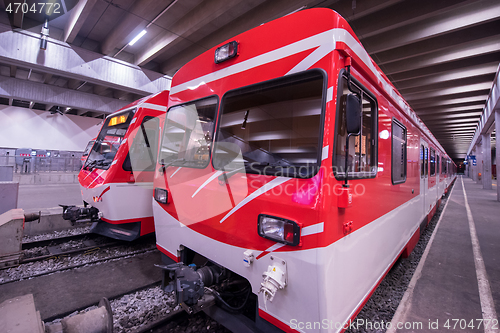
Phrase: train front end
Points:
(245, 152)
(288, 176)
(117, 177)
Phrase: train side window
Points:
(422, 161)
(433, 162)
(426, 161)
(437, 164)
(398, 152)
(362, 155)
(144, 147)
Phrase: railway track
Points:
(165, 317)
(151, 310)
(69, 252)
(59, 240)
(64, 246)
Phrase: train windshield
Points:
(272, 128)
(87, 149)
(109, 140)
(188, 134)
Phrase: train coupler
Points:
(189, 285)
(75, 213)
(206, 301)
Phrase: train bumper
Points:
(123, 231)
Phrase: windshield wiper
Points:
(92, 165)
(226, 175)
(273, 164)
(165, 166)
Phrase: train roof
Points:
(156, 101)
(306, 30)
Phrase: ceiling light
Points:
(139, 36)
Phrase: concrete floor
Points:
(448, 294)
(39, 197)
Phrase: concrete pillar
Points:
(479, 164)
(497, 128)
(486, 144)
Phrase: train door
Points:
(438, 176)
(424, 175)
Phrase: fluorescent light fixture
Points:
(139, 36)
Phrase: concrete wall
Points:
(8, 196)
(27, 128)
(46, 178)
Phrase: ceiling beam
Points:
(430, 122)
(446, 116)
(447, 102)
(77, 63)
(13, 71)
(485, 78)
(478, 87)
(76, 19)
(399, 15)
(73, 84)
(18, 16)
(471, 108)
(439, 43)
(13, 88)
(458, 52)
(465, 131)
(355, 10)
(455, 19)
(263, 13)
(435, 128)
(47, 77)
(452, 75)
(195, 21)
(132, 23)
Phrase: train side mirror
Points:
(353, 114)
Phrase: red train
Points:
(293, 173)
(117, 177)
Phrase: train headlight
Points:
(226, 51)
(279, 229)
(161, 195)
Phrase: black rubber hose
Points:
(228, 307)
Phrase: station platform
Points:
(456, 286)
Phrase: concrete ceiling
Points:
(441, 55)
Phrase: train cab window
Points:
(433, 162)
(398, 152)
(273, 127)
(143, 146)
(188, 133)
(109, 140)
(362, 156)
